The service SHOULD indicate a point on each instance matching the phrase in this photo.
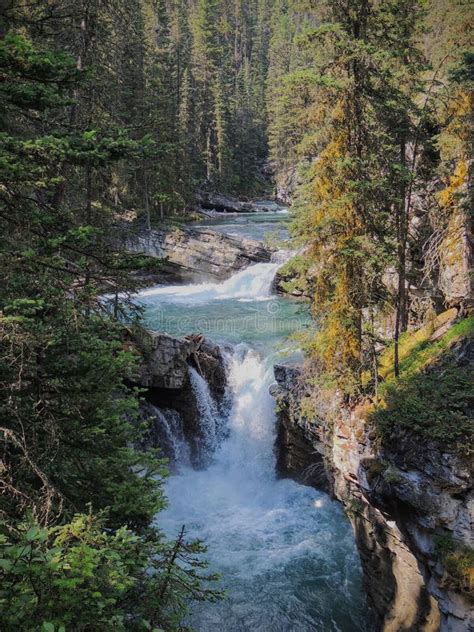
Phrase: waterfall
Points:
(251, 419)
(286, 554)
(170, 431)
(285, 551)
(208, 415)
(255, 282)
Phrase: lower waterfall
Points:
(286, 553)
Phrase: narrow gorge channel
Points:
(286, 552)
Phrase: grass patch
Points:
(458, 562)
(434, 396)
(416, 348)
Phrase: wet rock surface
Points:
(164, 372)
(300, 453)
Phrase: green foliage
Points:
(82, 576)
(343, 107)
(354, 508)
(295, 276)
(353, 86)
(68, 421)
(392, 474)
(36, 78)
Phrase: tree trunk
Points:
(147, 203)
(401, 319)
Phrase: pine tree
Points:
(357, 109)
(71, 478)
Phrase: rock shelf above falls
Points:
(195, 254)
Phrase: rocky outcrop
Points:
(402, 501)
(294, 278)
(226, 204)
(163, 372)
(194, 254)
(286, 183)
(298, 456)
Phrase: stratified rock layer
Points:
(194, 254)
(399, 499)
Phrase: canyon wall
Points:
(406, 499)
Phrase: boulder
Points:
(165, 363)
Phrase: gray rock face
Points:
(456, 262)
(398, 502)
(195, 254)
(287, 181)
(164, 373)
(297, 456)
(167, 363)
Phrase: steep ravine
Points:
(404, 499)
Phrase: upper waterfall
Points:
(255, 283)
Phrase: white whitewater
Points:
(252, 283)
(286, 552)
(208, 415)
(171, 434)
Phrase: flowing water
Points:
(239, 309)
(286, 552)
(171, 433)
(270, 225)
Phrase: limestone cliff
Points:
(194, 254)
(405, 481)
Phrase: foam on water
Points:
(286, 552)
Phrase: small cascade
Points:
(170, 432)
